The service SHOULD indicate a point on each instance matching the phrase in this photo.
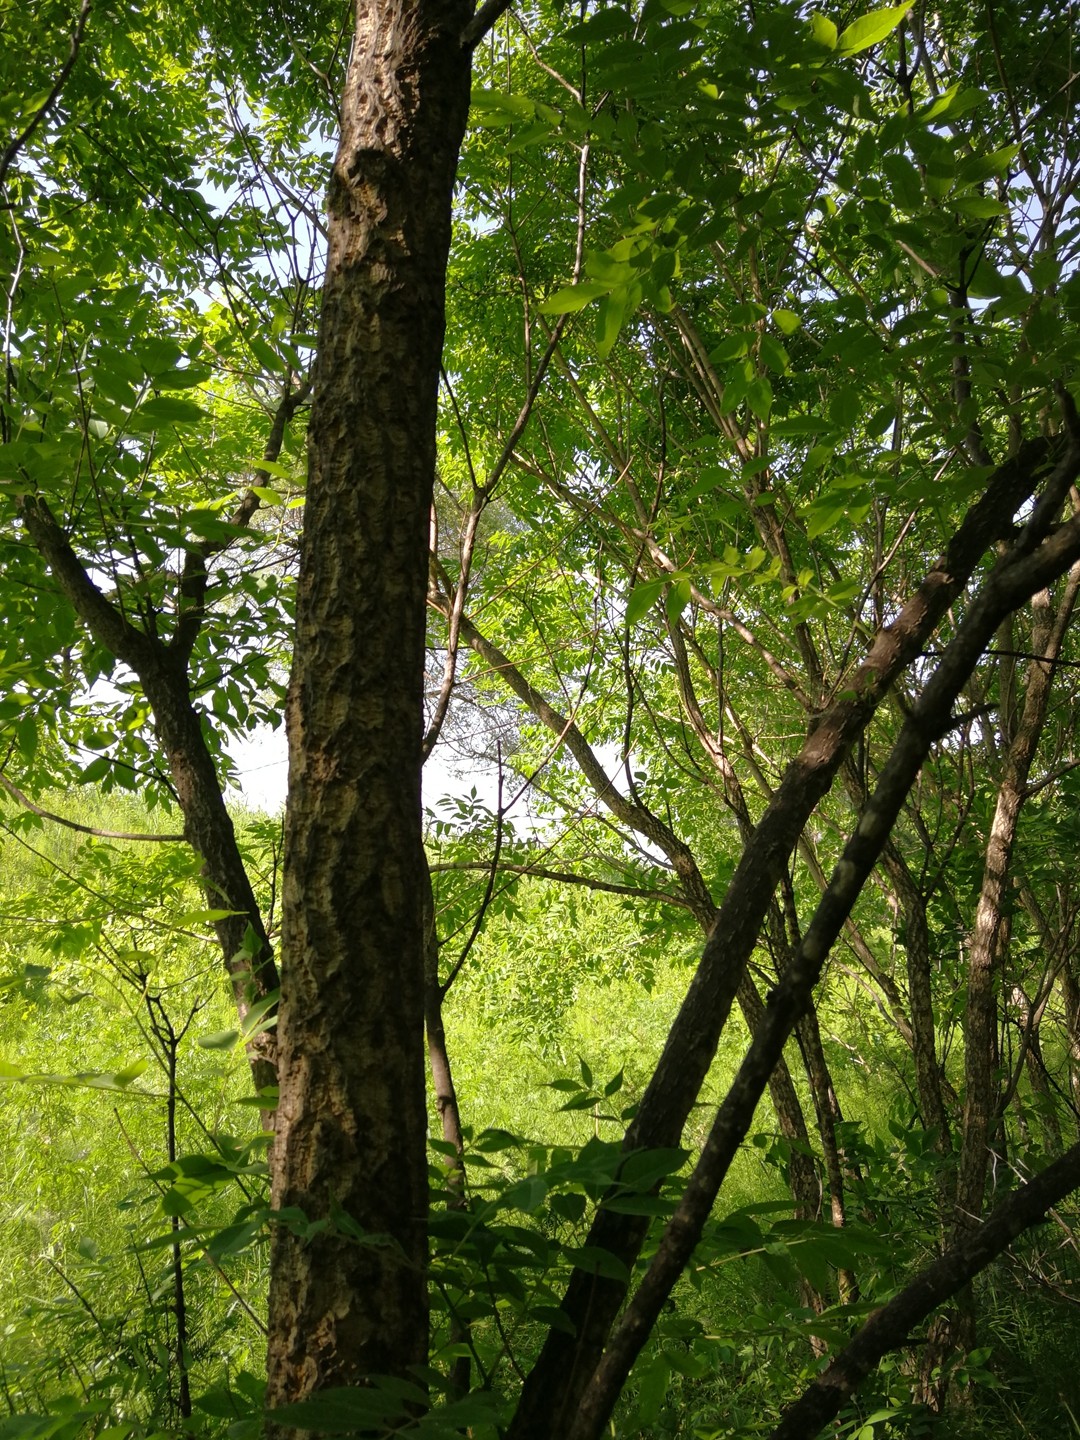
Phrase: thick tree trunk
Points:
(352, 1121)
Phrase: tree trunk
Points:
(554, 1389)
(991, 930)
(208, 827)
(351, 1141)
(987, 958)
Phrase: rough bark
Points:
(352, 1117)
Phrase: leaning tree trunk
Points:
(350, 1147)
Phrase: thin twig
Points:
(50, 100)
(28, 804)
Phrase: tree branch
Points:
(194, 576)
(482, 22)
(1011, 583)
(567, 877)
(28, 804)
(890, 1326)
(11, 153)
(638, 817)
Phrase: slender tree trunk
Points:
(208, 827)
(351, 1140)
(917, 948)
(446, 1103)
(829, 1116)
(1070, 994)
(1030, 1022)
(802, 1172)
(988, 951)
(990, 936)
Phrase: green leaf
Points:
(267, 496)
(732, 347)
(642, 598)
(588, 1101)
(980, 207)
(131, 1072)
(183, 377)
(265, 354)
(95, 771)
(493, 1140)
(987, 167)
(676, 600)
(823, 31)
(596, 1261)
(272, 467)
(904, 180)
(189, 918)
(652, 1381)
(573, 298)
(526, 1195)
(609, 321)
(759, 397)
(871, 28)
(644, 1168)
(827, 511)
(169, 410)
(774, 355)
(786, 321)
(219, 1040)
(710, 478)
(495, 108)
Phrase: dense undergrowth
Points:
(134, 1182)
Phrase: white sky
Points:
(262, 766)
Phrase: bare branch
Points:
(568, 877)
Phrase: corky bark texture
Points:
(352, 1120)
